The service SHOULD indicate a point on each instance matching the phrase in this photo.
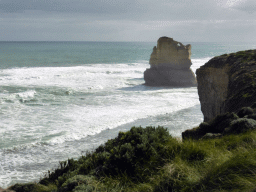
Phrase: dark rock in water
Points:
(227, 83)
(170, 65)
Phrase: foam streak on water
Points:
(50, 114)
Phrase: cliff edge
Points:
(226, 83)
(170, 65)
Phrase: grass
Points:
(246, 55)
(149, 159)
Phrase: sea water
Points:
(61, 99)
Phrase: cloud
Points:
(124, 20)
(248, 6)
(119, 9)
(99, 7)
(205, 30)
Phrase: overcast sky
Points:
(128, 20)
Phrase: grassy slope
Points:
(151, 160)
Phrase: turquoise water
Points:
(43, 54)
(59, 99)
(53, 54)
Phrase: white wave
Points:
(116, 110)
(106, 75)
(81, 77)
(197, 63)
(75, 122)
(26, 94)
(76, 102)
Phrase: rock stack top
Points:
(171, 54)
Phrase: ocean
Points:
(61, 99)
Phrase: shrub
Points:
(211, 135)
(245, 111)
(204, 127)
(135, 153)
(162, 164)
(64, 167)
(73, 182)
(220, 122)
(216, 125)
(241, 125)
(23, 187)
(29, 187)
(253, 106)
(252, 116)
(197, 132)
(192, 134)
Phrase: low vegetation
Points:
(225, 124)
(149, 159)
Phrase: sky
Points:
(128, 20)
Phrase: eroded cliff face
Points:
(170, 64)
(212, 90)
(227, 83)
(170, 54)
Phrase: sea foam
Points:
(55, 111)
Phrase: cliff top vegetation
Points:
(149, 159)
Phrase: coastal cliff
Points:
(170, 65)
(227, 92)
(226, 83)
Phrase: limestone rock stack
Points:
(170, 65)
(226, 83)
